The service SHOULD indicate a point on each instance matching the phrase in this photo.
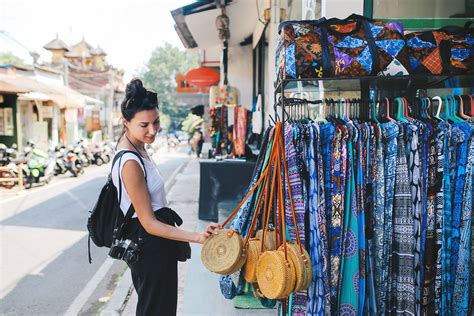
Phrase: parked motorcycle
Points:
(97, 157)
(107, 152)
(73, 163)
(7, 154)
(9, 159)
(83, 154)
(60, 154)
(41, 167)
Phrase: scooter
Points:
(60, 153)
(13, 172)
(107, 153)
(73, 163)
(41, 167)
(97, 157)
(81, 151)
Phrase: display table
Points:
(222, 180)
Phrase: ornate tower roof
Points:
(98, 52)
(56, 44)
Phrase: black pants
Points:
(155, 275)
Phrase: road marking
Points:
(87, 291)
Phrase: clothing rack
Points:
(411, 86)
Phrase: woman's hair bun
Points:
(135, 89)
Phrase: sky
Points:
(127, 30)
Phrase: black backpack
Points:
(106, 214)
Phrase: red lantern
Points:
(202, 77)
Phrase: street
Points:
(43, 261)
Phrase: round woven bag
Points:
(270, 238)
(274, 275)
(300, 269)
(253, 253)
(291, 278)
(223, 253)
(308, 267)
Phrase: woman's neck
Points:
(136, 144)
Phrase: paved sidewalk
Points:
(198, 289)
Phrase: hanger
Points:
(423, 106)
(457, 104)
(471, 101)
(374, 106)
(440, 105)
(321, 116)
(400, 110)
(461, 109)
(407, 109)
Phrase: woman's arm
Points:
(135, 185)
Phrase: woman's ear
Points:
(124, 122)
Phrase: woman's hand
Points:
(212, 228)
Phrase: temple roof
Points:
(81, 49)
(98, 52)
(56, 44)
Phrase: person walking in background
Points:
(155, 274)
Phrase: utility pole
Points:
(110, 105)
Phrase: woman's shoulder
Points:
(123, 155)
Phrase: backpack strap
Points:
(118, 230)
(131, 210)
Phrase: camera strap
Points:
(131, 209)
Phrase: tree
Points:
(7, 58)
(159, 74)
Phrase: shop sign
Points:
(202, 77)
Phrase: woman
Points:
(155, 274)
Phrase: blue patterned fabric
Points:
(316, 291)
(446, 241)
(393, 47)
(360, 166)
(460, 290)
(349, 279)
(375, 29)
(418, 43)
(349, 42)
(415, 178)
(290, 62)
(365, 59)
(383, 263)
(463, 277)
(460, 53)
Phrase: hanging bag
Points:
(449, 50)
(226, 252)
(352, 47)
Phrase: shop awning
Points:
(196, 23)
(32, 89)
(9, 88)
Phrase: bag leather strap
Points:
(131, 210)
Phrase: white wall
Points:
(343, 8)
(405, 9)
(240, 72)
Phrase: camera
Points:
(124, 249)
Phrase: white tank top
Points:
(154, 182)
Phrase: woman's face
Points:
(144, 126)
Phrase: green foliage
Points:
(8, 58)
(165, 121)
(159, 74)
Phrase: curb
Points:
(124, 289)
